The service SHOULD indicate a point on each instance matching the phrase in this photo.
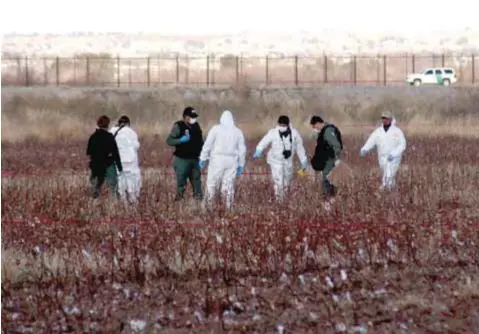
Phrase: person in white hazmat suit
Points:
(225, 149)
(129, 182)
(391, 144)
(285, 142)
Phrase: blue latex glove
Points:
(239, 171)
(184, 139)
(257, 154)
(202, 164)
(304, 165)
(362, 153)
(390, 157)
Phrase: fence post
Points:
(87, 59)
(325, 79)
(187, 70)
(148, 74)
(443, 60)
(385, 69)
(45, 72)
(296, 79)
(413, 63)
(378, 69)
(355, 69)
(473, 69)
(267, 70)
(237, 69)
(57, 70)
(177, 69)
(158, 63)
(129, 72)
(213, 61)
(208, 70)
(27, 75)
(118, 82)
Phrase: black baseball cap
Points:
(190, 112)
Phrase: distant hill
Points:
(247, 44)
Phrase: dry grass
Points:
(52, 113)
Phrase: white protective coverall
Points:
(281, 168)
(129, 182)
(225, 149)
(390, 146)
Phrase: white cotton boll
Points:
(280, 329)
(344, 276)
(283, 278)
(137, 325)
(360, 329)
(348, 297)
(341, 327)
(301, 280)
(198, 316)
(329, 282)
(86, 254)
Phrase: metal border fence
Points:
(212, 70)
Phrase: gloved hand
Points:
(202, 164)
(184, 139)
(257, 154)
(337, 162)
(304, 165)
(239, 171)
(362, 152)
(390, 157)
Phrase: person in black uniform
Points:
(328, 148)
(104, 158)
(187, 138)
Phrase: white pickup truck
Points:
(434, 76)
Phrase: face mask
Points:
(192, 121)
(283, 128)
(316, 130)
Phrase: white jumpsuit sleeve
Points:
(241, 149)
(399, 150)
(300, 151)
(134, 140)
(371, 142)
(265, 141)
(208, 145)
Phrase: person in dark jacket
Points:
(328, 148)
(104, 158)
(187, 138)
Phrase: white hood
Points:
(227, 119)
(225, 143)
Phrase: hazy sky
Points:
(219, 16)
